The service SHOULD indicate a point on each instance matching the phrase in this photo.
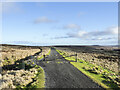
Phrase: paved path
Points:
(61, 74)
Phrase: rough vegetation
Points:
(10, 54)
(104, 56)
(18, 78)
(19, 68)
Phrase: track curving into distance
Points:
(60, 73)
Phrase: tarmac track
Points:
(59, 73)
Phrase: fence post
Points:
(23, 64)
(44, 57)
(76, 56)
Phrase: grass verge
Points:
(41, 78)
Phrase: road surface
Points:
(59, 73)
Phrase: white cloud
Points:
(31, 43)
(81, 33)
(104, 38)
(100, 38)
(109, 31)
(43, 20)
(72, 26)
(108, 34)
(113, 30)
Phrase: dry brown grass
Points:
(10, 54)
(106, 57)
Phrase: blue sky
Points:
(60, 23)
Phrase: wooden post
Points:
(23, 64)
(44, 57)
(76, 56)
